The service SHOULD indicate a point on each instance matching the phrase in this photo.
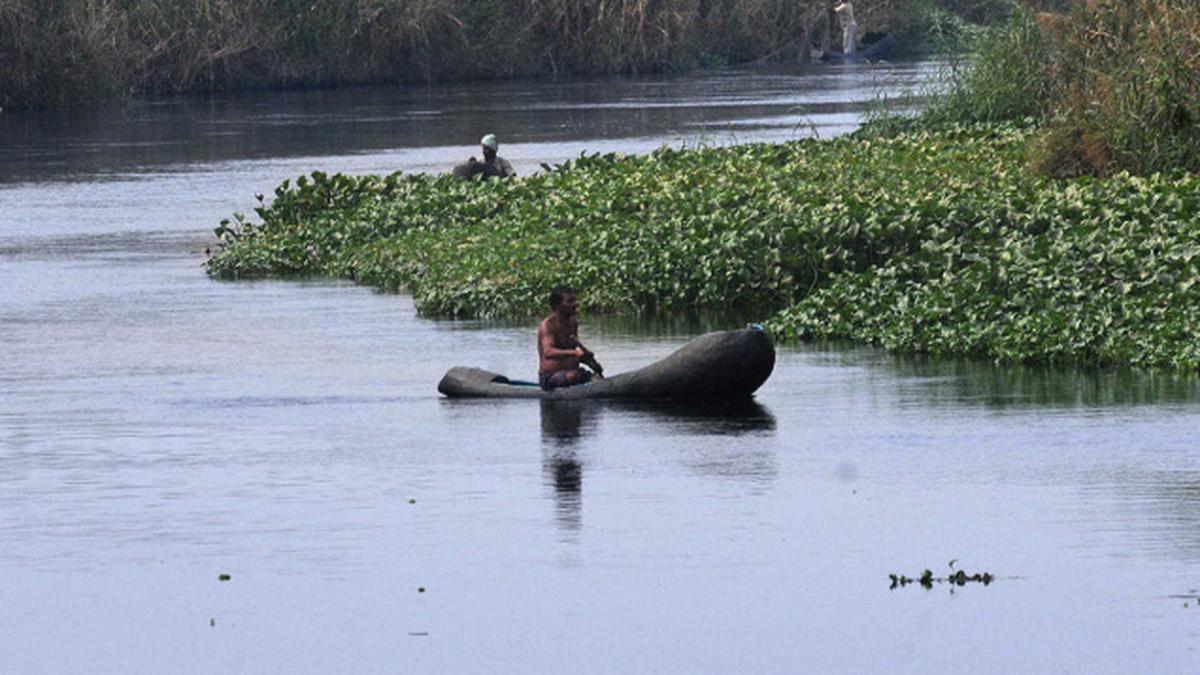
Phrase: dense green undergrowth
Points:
(930, 241)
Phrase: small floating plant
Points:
(957, 578)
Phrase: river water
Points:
(158, 429)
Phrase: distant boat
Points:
(721, 366)
(875, 47)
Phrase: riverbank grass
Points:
(938, 241)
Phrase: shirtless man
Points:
(559, 351)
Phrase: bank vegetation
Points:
(1045, 210)
(71, 51)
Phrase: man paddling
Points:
(559, 351)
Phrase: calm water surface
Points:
(158, 429)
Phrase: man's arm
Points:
(588, 358)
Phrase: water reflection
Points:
(562, 421)
(567, 424)
(723, 440)
(954, 382)
(562, 425)
(958, 380)
(721, 418)
(1164, 509)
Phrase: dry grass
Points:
(1129, 89)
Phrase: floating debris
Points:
(420, 589)
(412, 501)
(223, 577)
(927, 580)
(1190, 599)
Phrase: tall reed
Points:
(1003, 81)
(1129, 90)
(59, 51)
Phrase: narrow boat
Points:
(721, 366)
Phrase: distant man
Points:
(845, 13)
(559, 350)
(492, 164)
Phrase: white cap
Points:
(490, 141)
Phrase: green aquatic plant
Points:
(936, 240)
(1094, 272)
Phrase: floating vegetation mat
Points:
(938, 241)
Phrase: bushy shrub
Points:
(1115, 82)
(1003, 81)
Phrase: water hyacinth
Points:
(935, 241)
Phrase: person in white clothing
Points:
(845, 13)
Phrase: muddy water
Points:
(158, 429)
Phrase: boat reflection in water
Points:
(566, 425)
(565, 422)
